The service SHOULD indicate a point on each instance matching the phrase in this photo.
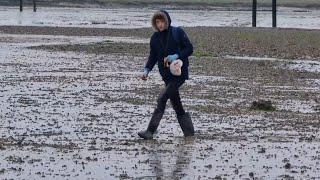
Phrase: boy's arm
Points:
(186, 47)
(152, 60)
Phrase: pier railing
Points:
(274, 13)
(34, 5)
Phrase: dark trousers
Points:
(171, 91)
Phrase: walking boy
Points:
(167, 45)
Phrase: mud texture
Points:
(72, 107)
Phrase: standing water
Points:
(137, 18)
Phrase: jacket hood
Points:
(161, 14)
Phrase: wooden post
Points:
(21, 6)
(254, 13)
(34, 6)
(274, 13)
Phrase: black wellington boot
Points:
(186, 124)
(153, 125)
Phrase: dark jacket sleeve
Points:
(186, 48)
(152, 60)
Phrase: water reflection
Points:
(20, 17)
(171, 160)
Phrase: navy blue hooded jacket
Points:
(158, 51)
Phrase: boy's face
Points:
(161, 24)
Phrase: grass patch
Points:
(202, 53)
(100, 48)
(208, 41)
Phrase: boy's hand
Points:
(172, 57)
(166, 62)
(144, 75)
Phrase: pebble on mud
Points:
(287, 166)
(209, 166)
(262, 150)
(2, 147)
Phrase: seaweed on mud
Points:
(262, 105)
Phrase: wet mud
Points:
(72, 114)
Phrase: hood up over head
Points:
(162, 14)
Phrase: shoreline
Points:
(173, 5)
(137, 18)
(180, 8)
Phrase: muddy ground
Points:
(72, 104)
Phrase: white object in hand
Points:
(175, 67)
